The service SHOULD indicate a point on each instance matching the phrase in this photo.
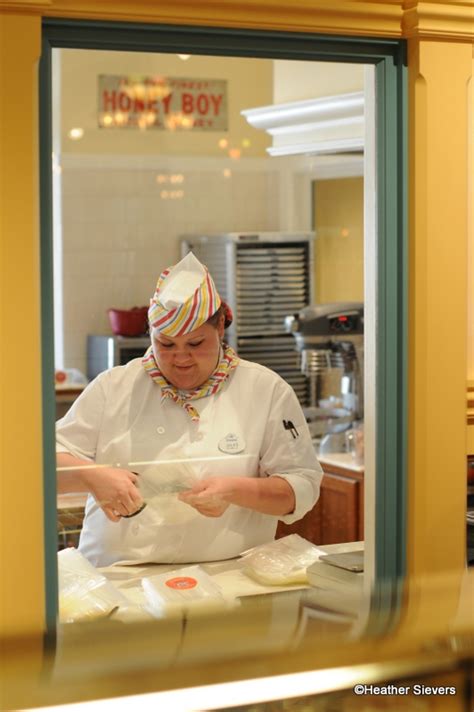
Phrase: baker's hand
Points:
(115, 491)
(211, 496)
(268, 495)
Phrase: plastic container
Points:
(129, 322)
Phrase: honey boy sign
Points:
(168, 103)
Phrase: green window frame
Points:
(389, 59)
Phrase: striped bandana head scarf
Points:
(184, 299)
(227, 362)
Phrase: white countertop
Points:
(229, 575)
(341, 459)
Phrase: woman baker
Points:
(223, 441)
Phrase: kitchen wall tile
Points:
(119, 233)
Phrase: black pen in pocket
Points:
(288, 425)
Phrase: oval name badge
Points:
(231, 444)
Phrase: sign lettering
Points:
(158, 102)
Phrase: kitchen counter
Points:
(235, 586)
(228, 574)
(344, 460)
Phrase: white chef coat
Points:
(120, 420)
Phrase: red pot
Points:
(129, 322)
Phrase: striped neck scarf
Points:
(227, 362)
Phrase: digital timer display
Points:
(343, 323)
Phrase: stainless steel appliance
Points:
(263, 277)
(330, 340)
(104, 352)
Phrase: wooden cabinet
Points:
(339, 510)
(338, 515)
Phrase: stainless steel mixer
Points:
(330, 340)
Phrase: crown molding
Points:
(439, 20)
(294, 113)
(328, 124)
(377, 18)
(24, 5)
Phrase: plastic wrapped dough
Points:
(84, 593)
(280, 562)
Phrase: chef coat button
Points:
(160, 430)
(135, 528)
(199, 436)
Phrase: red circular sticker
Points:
(181, 582)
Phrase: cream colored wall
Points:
(292, 80)
(339, 247)
(250, 83)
